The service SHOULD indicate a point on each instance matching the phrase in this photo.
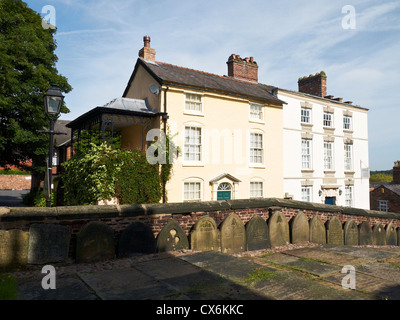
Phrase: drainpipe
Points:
(165, 118)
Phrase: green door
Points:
(224, 195)
(224, 191)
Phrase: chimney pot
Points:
(313, 84)
(396, 172)
(338, 99)
(146, 52)
(330, 97)
(349, 102)
(242, 69)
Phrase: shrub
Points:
(103, 172)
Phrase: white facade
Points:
(325, 150)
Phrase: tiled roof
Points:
(170, 74)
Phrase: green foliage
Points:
(381, 177)
(27, 68)
(89, 137)
(104, 172)
(14, 172)
(8, 288)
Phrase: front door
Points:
(224, 191)
(330, 200)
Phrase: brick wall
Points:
(15, 182)
(383, 193)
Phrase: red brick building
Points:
(386, 197)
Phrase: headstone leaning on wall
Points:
(172, 238)
(378, 234)
(48, 243)
(205, 235)
(334, 231)
(351, 233)
(137, 238)
(13, 249)
(278, 229)
(365, 233)
(299, 229)
(391, 235)
(233, 237)
(317, 230)
(95, 242)
(257, 234)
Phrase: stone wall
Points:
(122, 229)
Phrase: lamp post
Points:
(53, 100)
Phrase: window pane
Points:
(192, 147)
(256, 148)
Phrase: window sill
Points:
(188, 113)
(307, 170)
(257, 121)
(257, 166)
(192, 164)
(305, 124)
(329, 171)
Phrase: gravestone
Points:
(172, 238)
(351, 233)
(205, 235)
(334, 231)
(365, 234)
(278, 229)
(48, 243)
(398, 236)
(257, 234)
(13, 248)
(378, 235)
(233, 235)
(317, 230)
(95, 242)
(137, 238)
(391, 235)
(299, 229)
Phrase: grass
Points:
(260, 274)
(314, 260)
(8, 287)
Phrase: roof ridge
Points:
(208, 73)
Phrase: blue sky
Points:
(98, 43)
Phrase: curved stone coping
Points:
(82, 212)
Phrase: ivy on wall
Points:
(103, 172)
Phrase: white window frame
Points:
(328, 120)
(187, 161)
(383, 205)
(192, 181)
(187, 97)
(304, 160)
(253, 114)
(328, 156)
(252, 149)
(256, 182)
(348, 124)
(348, 157)
(305, 114)
(349, 196)
(306, 197)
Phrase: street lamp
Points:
(53, 100)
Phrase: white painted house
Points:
(325, 146)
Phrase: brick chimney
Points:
(146, 52)
(396, 172)
(313, 84)
(242, 69)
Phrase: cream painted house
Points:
(238, 138)
(228, 128)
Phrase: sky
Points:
(356, 43)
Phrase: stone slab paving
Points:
(68, 287)
(305, 273)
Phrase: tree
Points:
(27, 68)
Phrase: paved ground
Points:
(311, 272)
(12, 198)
